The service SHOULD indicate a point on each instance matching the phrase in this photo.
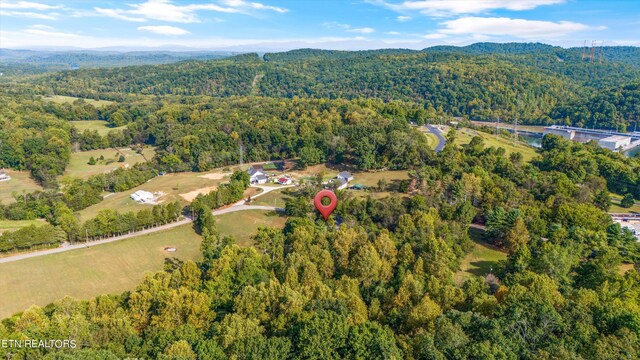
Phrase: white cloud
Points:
(502, 26)
(363, 30)
(434, 36)
(164, 30)
(403, 18)
(29, 14)
(117, 14)
(48, 32)
(166, 10)
(26, 5)
(349, 28)
(459, 7)
(392, 33)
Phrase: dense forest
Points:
(532, 82)
(379, 279)
(381, 284)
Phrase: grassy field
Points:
(243, 224)
(275, 198)
(60, 99)
(465, 136)
(104, 269)
(101, 126)
(20, 181)
(12, 225)
(616, 208)
(480, 260)
(79, 167)
(173, 185)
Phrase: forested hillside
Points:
(532, 82)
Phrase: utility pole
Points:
(498, 128)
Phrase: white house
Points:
(257, 175)
(4, 176)
(142, 196)
(345, 175)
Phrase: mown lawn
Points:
(241, 225)
(79, 163)
(83, 273)
(479, 262)
(101, 126)
(20, 181)
(616, 208)
(61, 99)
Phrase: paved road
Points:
(434, 130)
(238, 206)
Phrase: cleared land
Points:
(480, 260)
(61, 99)
(241, 225)
(79, 167)
(531, 128)
(173, 185)
(101, 126)
(104, 269)
(616, 208)
(12, 225)
(465, 135)
(20, 181)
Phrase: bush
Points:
(627, 201)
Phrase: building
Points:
(345, 175)
(257, 175)
(259, 179)
(285, 181)
(4, 176)
(142, 196)
(568, 134)
(614, 142)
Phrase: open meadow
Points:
(182, 187)
(242, 225)
(99, 125)
(79, 163)
(20, 182)
(61, 99)
(103, 269)
(13, 225)
(465, 135)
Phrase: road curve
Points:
(442, 141)
(238, 206)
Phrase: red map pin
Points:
(325, 210)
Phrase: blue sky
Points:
(330, 24)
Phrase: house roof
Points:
(345, 174)
(255, 170)
(283, 179)
(261, 177)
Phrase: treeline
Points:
(110, 222)
(76, 194)
(31, 236)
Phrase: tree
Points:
(121, 158)
(627, 201)
(92, 161)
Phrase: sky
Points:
(327, 24)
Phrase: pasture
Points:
(176, 186)
(61, 99)
(79, 163)
(102, 127)
(465, 135)
(20, 182)
(83, 273)
(241, 225)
